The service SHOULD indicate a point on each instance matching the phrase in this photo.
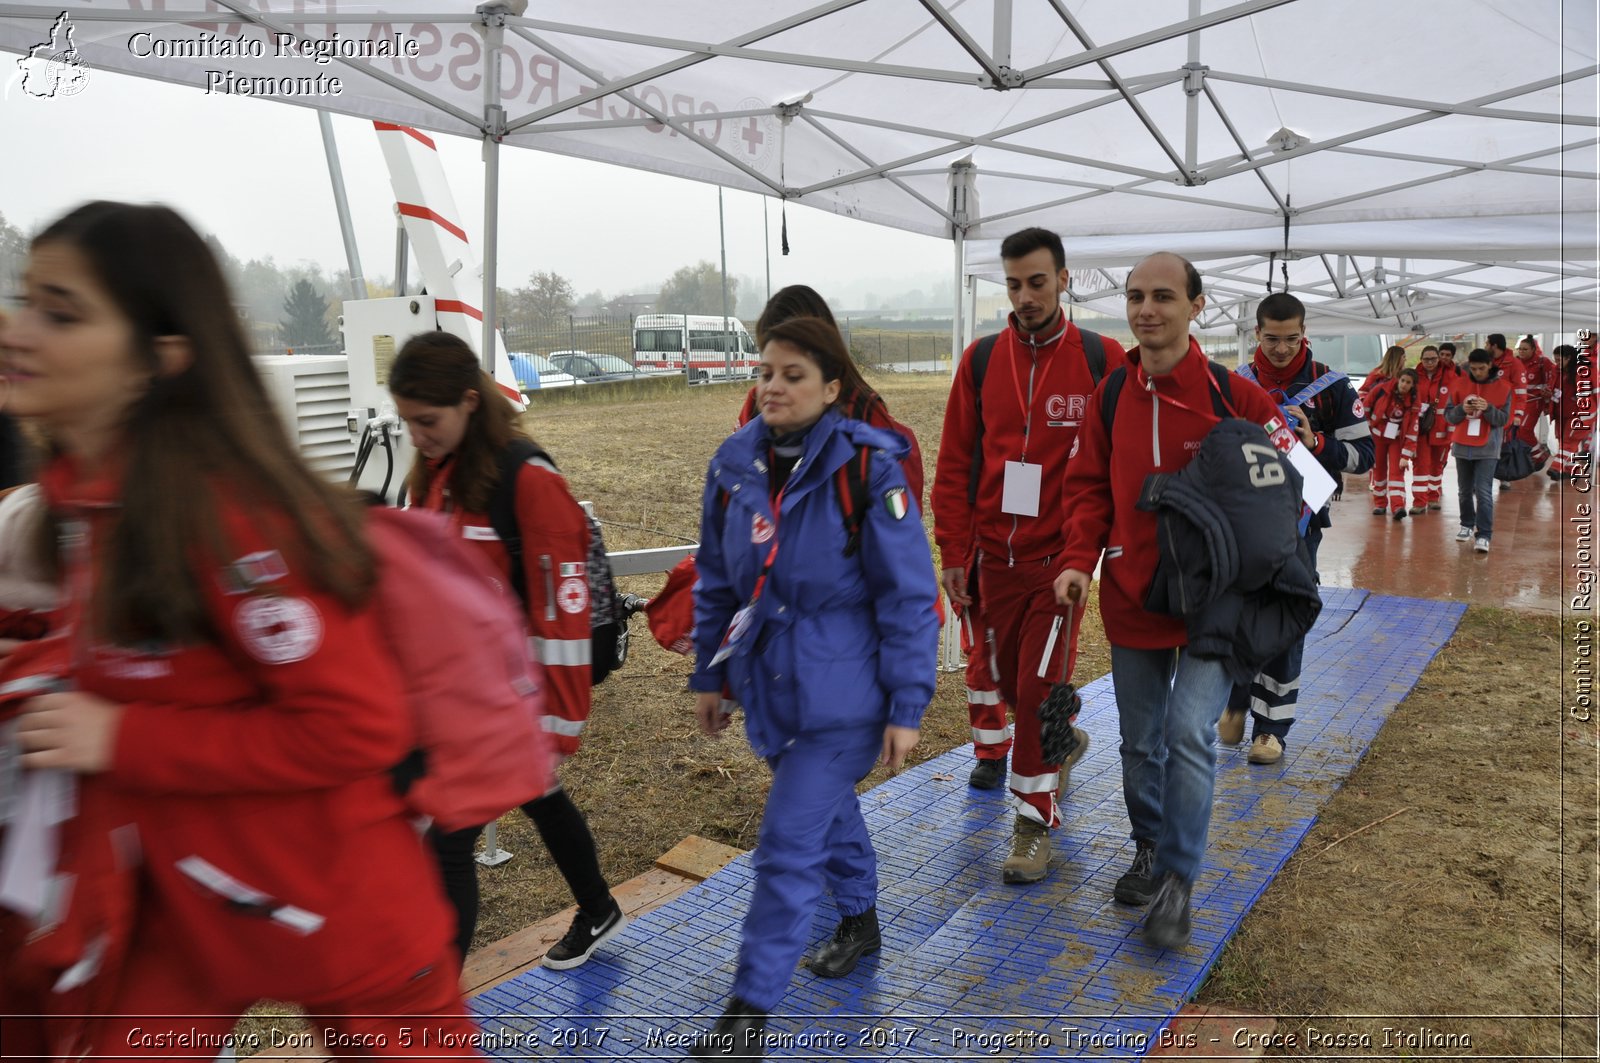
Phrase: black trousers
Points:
(564, 833)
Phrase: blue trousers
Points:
(1475, 481)
(812, 835)
(1168, 703)
(1272, 696)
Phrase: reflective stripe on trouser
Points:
(1425, 481)
(986, 709)
(1392, 493)
(1021, 606)
(812, 835)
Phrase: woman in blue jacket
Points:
(826, 637)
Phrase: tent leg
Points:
(956, 330)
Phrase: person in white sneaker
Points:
(1479, 410)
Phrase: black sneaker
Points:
(739, 1034)
(853, 938)
(1166, 926)
(587, 933)
(986, 774)
(1138, 884)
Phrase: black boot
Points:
(1166, 925)
(987, 774)
(737, 1035)
(855, 936)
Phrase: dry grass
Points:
(1480, 899)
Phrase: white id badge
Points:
(1474, 426)
(738, 627)
(1020, 495)
(1391, 430)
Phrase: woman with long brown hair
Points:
(231, 711)
(468, 442)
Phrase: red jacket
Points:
(877, 415)
(1373, 379)
(1435, 390)
(555, 556)
(254, 769)
(1394, 417)
(1496, 391)
(1151, 433)
(1541, 377)
(1513, 373)
(1053, 411)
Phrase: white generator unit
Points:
(311, 393)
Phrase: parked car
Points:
(535, 371)
(596, 368)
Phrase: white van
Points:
(701, 345)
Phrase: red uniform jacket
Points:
(1158, 427)
(1035, 399)
(555, 557)
(1512, 372)
(877, 415)
(1394, 417)
(1373, 379)
(1435, 391)
(1495, 391)
(1541, 377)
(275, 856)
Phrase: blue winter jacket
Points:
(835, 641)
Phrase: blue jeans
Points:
(1475, 480)
(1168, 703)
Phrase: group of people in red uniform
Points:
(1407, 407)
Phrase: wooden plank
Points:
(698, 858)
(1199, 1032)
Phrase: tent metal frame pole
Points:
(1193, 82)
(683, 129)
(1218, 173)
(956, 346)
(1470, 110)
(341, 206)
(493, 16)
(1002, 36)
(1502, 166)
(698, 54)
(1244, 149)
(1142, 40)
(1464, 171)
(963, 38)
(896, 181)
(1138, 109)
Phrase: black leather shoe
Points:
(986, 775)
(1167, 924)
(1138, 884)
(739, 1034)
(855, 936)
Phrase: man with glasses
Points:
(1328, 416)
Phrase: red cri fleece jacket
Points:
(555, 557)
(1035, 393)
(1158, 426)
(253, 767)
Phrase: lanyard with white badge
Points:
(739, 626)
(1023, 484)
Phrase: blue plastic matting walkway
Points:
(972, 968)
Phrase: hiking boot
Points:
(1378, 511)
(986, 774)
(1482, 545)
(1266, 749)
(1138, 884)
(1030, 852)
(855, 936)
(1417, 511)
(1463, 534)
(587, 933)
(1230, 729)
(739, 1034)
(1399, 514)
(1435, 505)
(1167, 924)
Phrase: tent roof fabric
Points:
(1457, 131)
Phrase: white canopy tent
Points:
(1423, 164)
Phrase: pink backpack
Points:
(476, 696)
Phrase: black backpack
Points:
(1094, 352)
(608, 621)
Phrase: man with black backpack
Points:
(1015, 409)
(1324, 410)
(1155, 409)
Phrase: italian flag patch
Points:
(894, 500)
